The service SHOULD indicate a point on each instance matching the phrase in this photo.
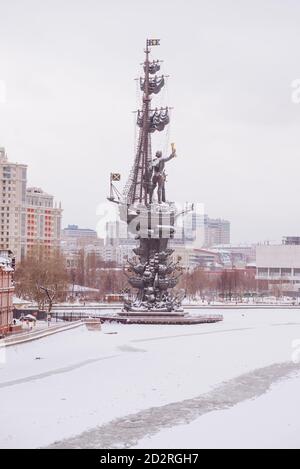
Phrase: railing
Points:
(38, 334)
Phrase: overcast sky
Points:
(69, 68)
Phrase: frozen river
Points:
(127, 386)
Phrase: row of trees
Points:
(87, 270)
(92, 271)
(42, 277)
(227, 284)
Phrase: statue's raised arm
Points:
(172, 155)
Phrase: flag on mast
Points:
(114, 177)
(153, 42)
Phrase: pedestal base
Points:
(152, 312)
(161, 318)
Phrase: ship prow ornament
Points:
(145, 207)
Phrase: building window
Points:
(286, 272)
(261, 272)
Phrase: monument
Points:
(150, 216)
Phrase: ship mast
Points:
(137, 189)
(140, 187)
(146, 106)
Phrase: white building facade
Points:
(280, 266)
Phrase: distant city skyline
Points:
(67, 94)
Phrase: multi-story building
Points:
(278, 266)
(43, 220)
(81, 235)
(117, 234)
(217, 231)
(77, 243)
(27, 216)
(291, 240)
(119, 243)
(13, 180)
(197, 230)
(6, 291)
(239, 254)
(191, 258)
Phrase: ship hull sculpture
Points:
(149, 215)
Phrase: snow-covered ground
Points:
(270, 421)
(85, 388)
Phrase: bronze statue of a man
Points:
(159, 176)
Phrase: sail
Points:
(153, 67)
(158, 120)
(155, 84)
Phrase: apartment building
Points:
(13, 181)
(199, 231)
(43, 220)
(217, 231)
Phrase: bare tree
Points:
(42, 277)
(50, 295)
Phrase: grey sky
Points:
(69, 68)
